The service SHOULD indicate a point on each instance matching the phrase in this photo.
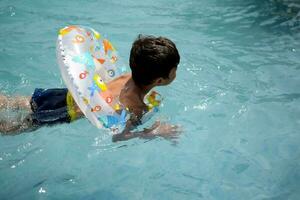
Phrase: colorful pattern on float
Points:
(88, 62)
(153, 101)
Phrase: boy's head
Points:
(153, 60)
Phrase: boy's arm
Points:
(164, 130)
(127, 133)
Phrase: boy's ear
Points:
(158, 81)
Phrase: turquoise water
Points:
(236, 96)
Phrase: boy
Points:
(153, 62)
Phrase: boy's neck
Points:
(141, 91)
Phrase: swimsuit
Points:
(52, 106)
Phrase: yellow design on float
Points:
(85, 100)
(153, 102)
(66, 30)
(91, 48)
(99, 82)
(97, 35)
(117, 107)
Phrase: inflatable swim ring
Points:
(88, 62)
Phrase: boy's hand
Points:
(158, 129)
(164, 130)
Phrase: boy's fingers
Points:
(177, 127)
(173, 136)
(176, 131)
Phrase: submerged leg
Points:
(15, 117)
(17, 126)
(16, 103)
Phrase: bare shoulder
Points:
(117, 84)
(123, 77)
(126, 76)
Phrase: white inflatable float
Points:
(88, 62)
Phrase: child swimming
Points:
(153, 62)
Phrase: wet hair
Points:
(151, 58)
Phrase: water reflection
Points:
(282, 15)
(218, 16)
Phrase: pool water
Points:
(236, 95)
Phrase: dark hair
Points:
(151, 58)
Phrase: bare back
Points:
(115, 86)
(128, 96)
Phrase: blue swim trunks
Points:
(52, 106)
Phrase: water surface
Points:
(236, 95)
